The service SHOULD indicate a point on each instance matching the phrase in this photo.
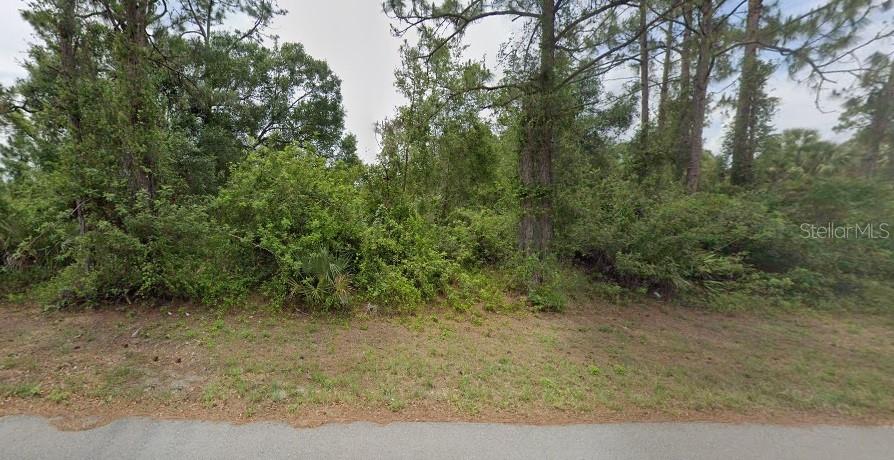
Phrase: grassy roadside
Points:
(593, 363)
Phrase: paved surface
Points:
(33, 437)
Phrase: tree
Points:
(125, 115)
(870, 111)
(575, 41)
(202, 17)
(644, 83)
(667, 66)
(235, 93)
(138, 135)
(758, 127)
(796, 154)
(437, 146)
(749, 81)
(707, 36)
(347, 150)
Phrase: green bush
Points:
(107, 265)
(675, 243)
(188, 255)
(479, 236)
(469, 290)
(848, 268)
(175, 251)
(325, 282)
(288, 208)
(35, 228)
(399, 261)
(542, 281)
(729, 249)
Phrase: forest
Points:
(155, 152)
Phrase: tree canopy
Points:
(153, 151)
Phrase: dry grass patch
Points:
(593, 363)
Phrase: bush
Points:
(175, 251)
(477, 289)
(732, 250)
(35, 227)
(188, 255)
(107, 265)
(399, 260)
(849, 268)
(479, 236)
(675, 243)
(542, 281)
(289, 210)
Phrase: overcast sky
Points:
(354, 37)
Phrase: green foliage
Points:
(846, 264)
(175, 252)
(470, 290)
(675, 243)
(479, 236)
(188, 255)
(206, 165)
(399, 261)
(297, 220)
(542, 281)
(324, 281)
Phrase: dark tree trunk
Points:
(667, 67)
(880, 130)
(544, 232)
(535, 161)
(684, 123)
(644, 70)
(526, 177)
(700, 96)
(139, 157)
(743, 126)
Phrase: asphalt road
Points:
(32, 437)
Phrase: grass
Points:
(593, 362)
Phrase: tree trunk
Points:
(665, 76)
(67, 30)
(684, 123)
(889, 116)
(700, 95)
(535, 161)
(644, 70)
(139, 158)
(743, 126)
(879, 129)
(544, 233)
(526, 177)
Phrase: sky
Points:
(354, 38)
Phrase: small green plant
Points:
(23, 390)
(58, 395)
(324, 280)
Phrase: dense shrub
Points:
(399, 261)
(679, 243)
(176, 251)
(479, 236)
(290, 210)
(841, 264)
(34, 229)
(188, 254)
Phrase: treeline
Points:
(151, 151)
